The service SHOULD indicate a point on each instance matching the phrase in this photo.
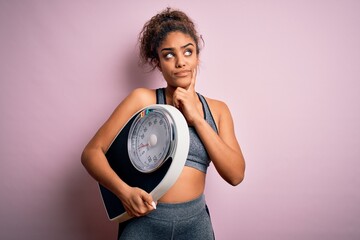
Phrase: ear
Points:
(158, 66)
(198, 62)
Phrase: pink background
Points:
(289, 71)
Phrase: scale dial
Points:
(150, 139)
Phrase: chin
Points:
(183, 83)
(184, 86)
(179, 82)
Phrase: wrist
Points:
(198, 122)
(122, 190)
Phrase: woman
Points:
(170, 43)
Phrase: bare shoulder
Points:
(136, 100)
(143, 96)
(216, 104)
(219, 109)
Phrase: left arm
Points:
(223, 148)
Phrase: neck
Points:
(169, 93)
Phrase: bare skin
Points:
(178, 62)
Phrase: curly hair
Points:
(157, 28)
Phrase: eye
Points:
(188, 52)
(169, 55)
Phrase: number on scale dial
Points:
(150, 140)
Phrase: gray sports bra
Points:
(197, 158)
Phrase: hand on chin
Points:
(181, 82)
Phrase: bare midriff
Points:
(189, 186)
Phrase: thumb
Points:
(147, 198)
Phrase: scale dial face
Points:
(150, 140)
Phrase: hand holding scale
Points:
(149, 152)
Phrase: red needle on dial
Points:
(143, 145)
(152, 142)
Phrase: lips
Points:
(182, 73)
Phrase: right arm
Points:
(136, 201)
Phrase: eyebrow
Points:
(170, 49)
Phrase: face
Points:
(177, 59)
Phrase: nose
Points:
(180, 62)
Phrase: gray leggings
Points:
(188, 220)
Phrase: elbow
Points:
(238, 176)
(234, 176)
(84, 157)
(236, 180)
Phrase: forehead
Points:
(176, 40)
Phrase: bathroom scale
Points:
(149, 152)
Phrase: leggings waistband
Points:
(178, 211)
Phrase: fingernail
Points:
(153, 204)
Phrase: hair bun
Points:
(156, 30)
